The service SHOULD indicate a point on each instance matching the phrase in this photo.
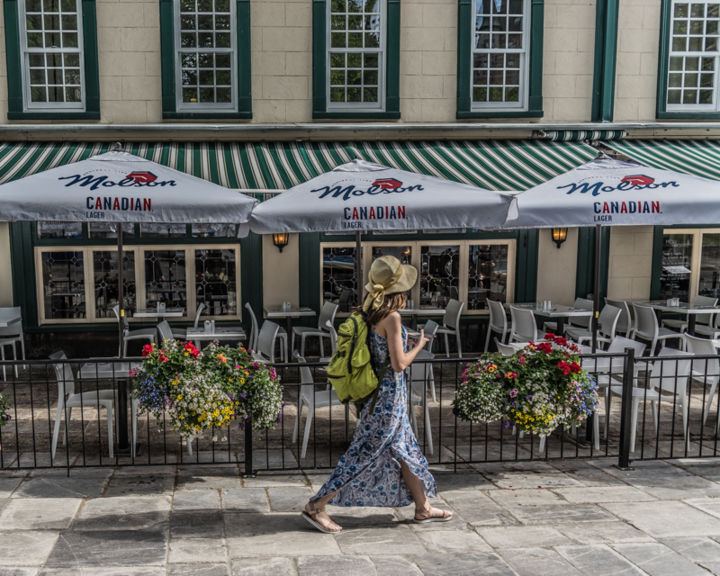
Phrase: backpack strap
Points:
(378, 374)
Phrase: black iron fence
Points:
(76, 413)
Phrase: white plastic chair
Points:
(311, 398)
(147, 334)
(165, 331)
(267, 336)
(451, 325)
(522, 325)
(607, 326)
(667, 382)
(99, 399)
(420, 375)
(509, 349)
(646, 327)
(327, 314)
(254, 333)
(11, 335)
(497, 322)
(181, 333)
(576, 321)
(701, 320)
(705, 371)
(625, 322)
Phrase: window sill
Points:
(379, 115)
(53, 115)
(465, 114)
(167, 115)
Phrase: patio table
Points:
(9, 316)
(199, 335)
(661, 306)
(558, 312)
(277, 313)
(413, 313)
(155, 313)
(122, 372)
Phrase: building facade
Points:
(258, 95)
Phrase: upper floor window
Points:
(52, 59)
(500, 58)
(691, 78)
(356, 58)
(206, 58)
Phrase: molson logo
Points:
(634, 182)
(134, 180)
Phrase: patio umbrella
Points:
(362, 196)
(610, 192)
(120, 187)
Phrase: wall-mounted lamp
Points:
(559, 235)
(280, 240)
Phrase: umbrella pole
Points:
(121, 296)
(358, 267)
(596, 287)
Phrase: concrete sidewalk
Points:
(535, 518)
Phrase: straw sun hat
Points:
(387, 276)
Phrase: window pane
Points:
(165, 278)
(215, 281)
(152, 230)
(59, 230)
(438, 275)
(63, 285)
(676, 262)
(710, 266)
(105, 281)
(338, 274)
(487, 278)
(214, 230)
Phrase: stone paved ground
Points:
(536, 518)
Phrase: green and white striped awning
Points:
(492, 164)
(697, 157)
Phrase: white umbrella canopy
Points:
(611, 192)
(120, 187)
(363, 196)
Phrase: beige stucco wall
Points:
(556, 268)
(637, 60)
(630, 263)
(6, 296)
(280, 272)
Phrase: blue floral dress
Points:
(369, 473)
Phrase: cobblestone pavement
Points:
(536, 518)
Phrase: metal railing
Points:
(656, 407)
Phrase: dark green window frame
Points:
(465, 31)
(16, 102)
(392, 66)
(167, 55)
(663, 67)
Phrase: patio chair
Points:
(165, 331)
(704, 320)
(705, 371)
(327, 314)
(254, 332)
(181, 333)
(430, 329)
(522, 325)
(312, 398)
(625, 321)
(509, 349)
(419, 376)
(497, 322)
(646, 327)
(266, 339)
(12, 335)
(607, 326)
(667, 382)
(98, 399)
(147, 334)
(574, 321)
(451, 324)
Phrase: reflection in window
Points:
(153, 230)
(165, 278)
(215, 281)
(676, 266)
(214, 230)
(488, 264)
(338, 277)
(59, 230)
(105, 270)
(109, 230)
(710, 266)
(439, 275)
(63, 285)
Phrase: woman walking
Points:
(383, 465)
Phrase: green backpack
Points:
(351, 371)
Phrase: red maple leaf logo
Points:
(142, 177)
(387, 183)
(638, 180)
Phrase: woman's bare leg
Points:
(417, 491)
(316, 510)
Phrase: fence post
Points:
(248, 447)
(626, 409)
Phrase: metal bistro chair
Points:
(497, 322)
(523, 327)
(254, 333)
(451, 325)
(327, 314)
(11, 336)
(147, 334)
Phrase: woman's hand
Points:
(420, 340)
